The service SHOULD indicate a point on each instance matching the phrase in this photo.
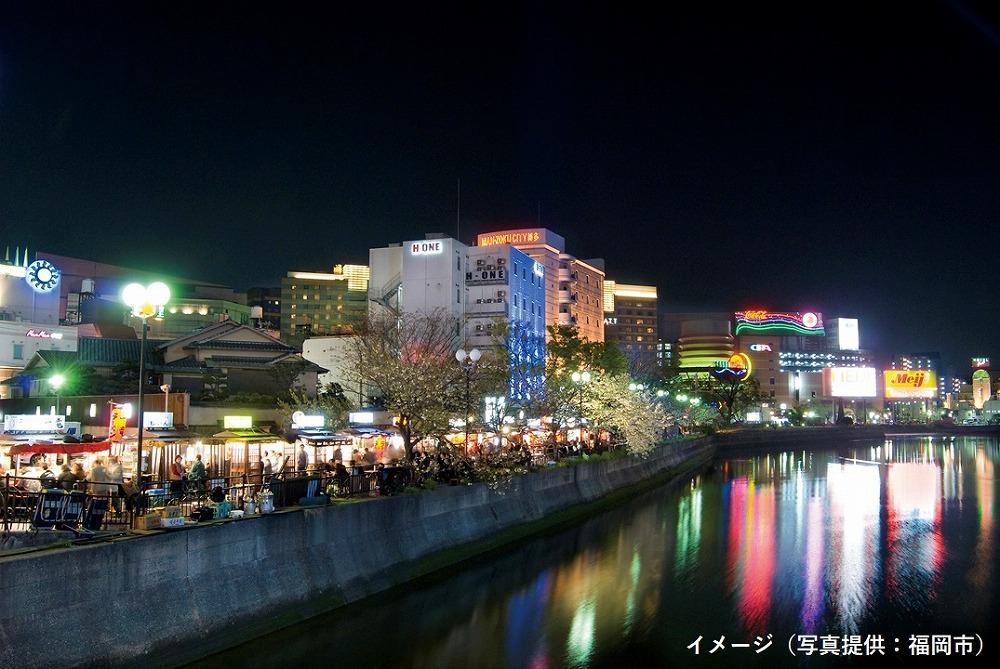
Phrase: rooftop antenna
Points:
(458, 212)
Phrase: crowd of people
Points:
(104, 477)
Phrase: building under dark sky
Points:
(838, 158)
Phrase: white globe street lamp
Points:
(144, 301)
(473, 357)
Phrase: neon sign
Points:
(737, 368)
(512, 237)
(757, 348)
(760, 321)
(538, 269)
(980, 363)
(43, 334)
(42, 276)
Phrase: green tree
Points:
(731, 397)
(568, 351)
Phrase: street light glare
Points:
(134, 295)
(158, 293)
(56, 380)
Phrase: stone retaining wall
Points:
(174, 596)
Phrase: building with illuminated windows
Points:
(574, 288)
(630, 321)
(320, 303)
(491, 291)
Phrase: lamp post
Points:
(144, 301)
(56, 381)
(580, 379)
(473, 357)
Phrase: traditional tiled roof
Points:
(242, 345)
(103, 352)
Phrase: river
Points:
(890, 539)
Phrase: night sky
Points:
(834, 159)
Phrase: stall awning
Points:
(326, 438)
(247, 435)
(60, 447)
(164, 435)
(371, 431)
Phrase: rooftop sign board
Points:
(760, 321)
(525, 237)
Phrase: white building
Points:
(481, 287)
(334, 354)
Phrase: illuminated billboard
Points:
(760, 321)
(847, 334)
(980, 363)
(849, 382)
(522, 237)
(910, 384)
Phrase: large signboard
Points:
(33, 422)
(760, 321)
(849, 382)
(427, 248)
(910, 384)
(535, 236)
(847, 334)
(980, 363)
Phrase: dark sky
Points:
(843, 159)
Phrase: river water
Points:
(890, 539)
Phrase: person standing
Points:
(267, 468)
(99, 478)
(369, 457)
(302, 460)
(177, 475)
(116, 477)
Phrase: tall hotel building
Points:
(630, 320)
(320, 303)
(574, 288)
(487, 290)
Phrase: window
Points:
(19, 351)
(772, 393)
(515, 300)
(770, 381)
(458, 262)
(458, 296)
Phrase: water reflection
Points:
(890, 538)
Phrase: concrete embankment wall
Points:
(177, 595)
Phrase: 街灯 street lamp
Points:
(581, 379)
(144, 301)
(57, 381)
(472, 357)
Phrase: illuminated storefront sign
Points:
(361, 417)
(980, 363)
(426, 248)
(611, 320)
(736, 368)
(237, 422)
(511, 237)
(849, 381)
(158, 420)
(538, 269)
(43, 334)
(42, 276)
(761, 321)
(301, 420)
(34, 423)
(757, 348)
(910, 384)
